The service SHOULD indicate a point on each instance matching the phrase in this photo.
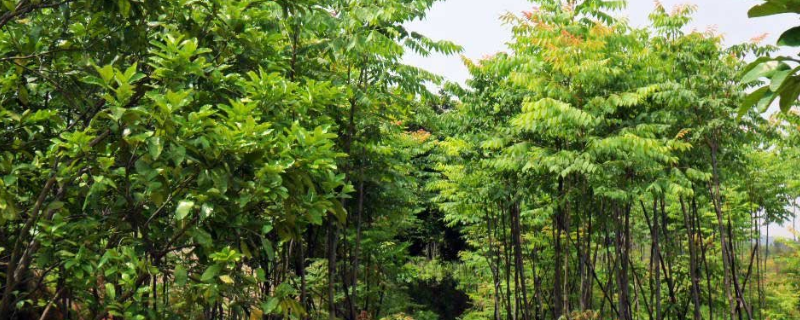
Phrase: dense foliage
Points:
(188, 159)
(215, 159)
(782, 71)
(622, 184)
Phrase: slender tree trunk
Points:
(558, 278)
(331, 250)
(519, 266)
(693, 266)
(666, 265)
(622, 221)
(702, 245)
(494, 253)
(656, 260)
(537, 286)
(741, 302)
(585, 254)
(724, 244)
(300, 269)
(586, 296)
(510, 314)
(357, 253)
(759, 270)
(332, 224)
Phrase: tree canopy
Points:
(215, 159)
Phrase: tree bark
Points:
(558, 275)
(726, 261)
(622, 236)
(693, 265)
(331, 251)
(518, 262)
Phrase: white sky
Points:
(474, 24)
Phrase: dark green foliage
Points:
(216, 159)
(184, 159)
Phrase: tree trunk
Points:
(656, 260)
(558, 276)
(622, 236)
(510, 314)
(518, 262)
(357, 253)
(726, 255)
(494, 253)
(331, 250)
(693, 266)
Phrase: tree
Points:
(601, 153)
(784, 83)
(162, 162)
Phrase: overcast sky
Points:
(474, 25)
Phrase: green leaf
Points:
(124, 7)
(106, 73)
(339, 212)
(790, 37)
(178, 154)
(226, 279)
(55, 205)
(9, 4)
(206, 210)
(772, 7)
(267, 245)
(789, 94)
(764, 103)
(105, 162)
(778, 78)
(764, 9)
(202, 237)
(261, 275)
(245, 249)
(155, 146)
(210, 273)
(181, 275)
(760, 70)
(111, 292)
(184, 207)
(270, 305)
(751, 99)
